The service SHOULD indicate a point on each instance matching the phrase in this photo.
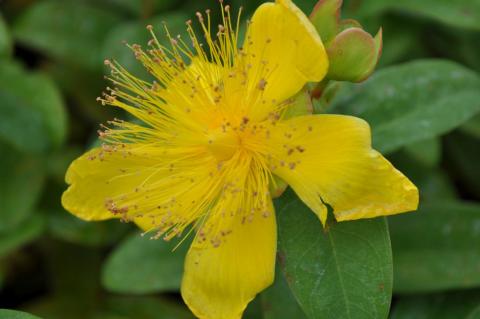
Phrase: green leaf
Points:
(342, 271)
(75, 37)
(67, 227)
(13, 314)
(428, 152)
(415, 101)
(458, 305)
(140, 265)
(278, 301)
(436, 248)
(136, 33)
(254, 310)
(464, 158)
(32, 114)
(22, 181)
(6, 45)
(457, 13)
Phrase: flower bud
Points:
(352, 52)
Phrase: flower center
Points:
(223, 143)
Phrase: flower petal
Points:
(90, 183)
(283, 50)
(219, 282)
(329, 159)
(127, 183)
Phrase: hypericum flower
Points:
(211, 134)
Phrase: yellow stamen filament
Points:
(201, 147)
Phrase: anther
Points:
(262, 84)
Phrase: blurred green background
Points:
(51, 71)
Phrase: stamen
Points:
(197, 151)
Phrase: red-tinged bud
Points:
(352, 52)
(353, 55)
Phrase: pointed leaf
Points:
(342, 271)
(141, 265)
(278, 301)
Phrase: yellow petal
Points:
(88, 178)
(98, 176)
(219, 282)
(283, 50)
(329, 159)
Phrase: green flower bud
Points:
(352, 52)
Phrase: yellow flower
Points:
(211, 134)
